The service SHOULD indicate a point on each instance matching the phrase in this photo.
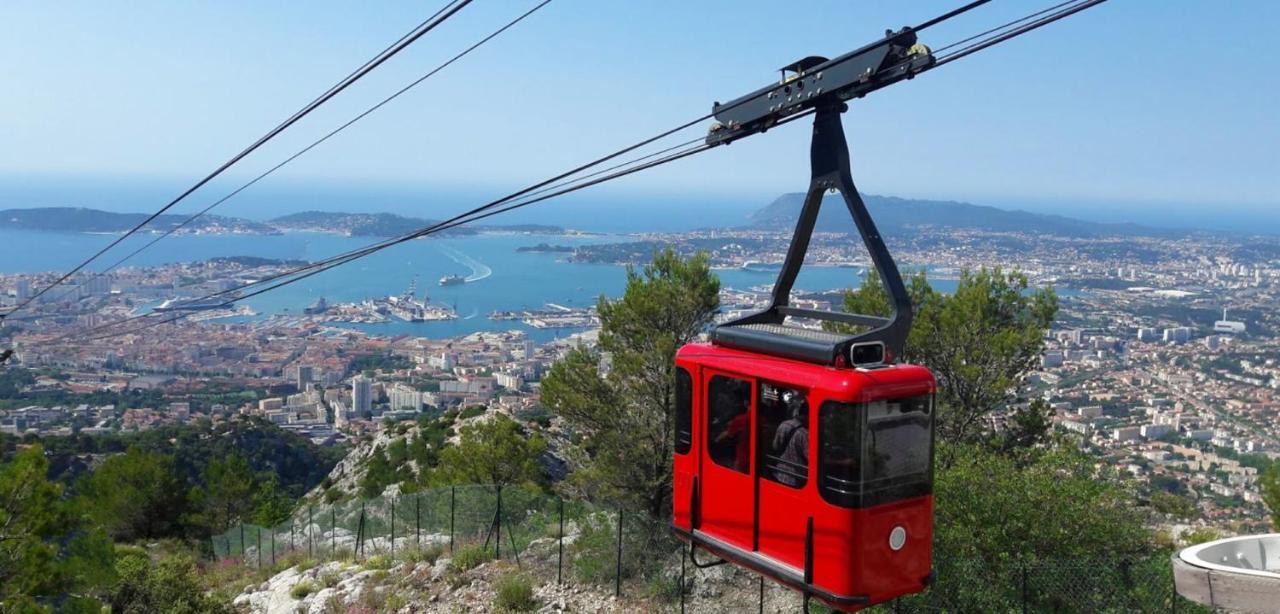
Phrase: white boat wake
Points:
(478, 269)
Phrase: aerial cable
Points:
(343, 259)
(994, 40)
(322, 139)
(1003, 26)
(479, 212)
(440, 17)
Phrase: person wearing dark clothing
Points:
(791, 442)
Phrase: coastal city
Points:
(1164, 361)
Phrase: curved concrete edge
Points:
(1227, 590)
(1260, 557)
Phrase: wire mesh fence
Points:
(634, 556)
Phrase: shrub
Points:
(664, 588)
(302, 589)
(394, 602)
(167, 585)
(379, 561)
(515, 594)
(428, 555)
(330, 579)
(469, 557)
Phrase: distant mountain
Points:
(79, 219)
(384, 224)
(896, 215)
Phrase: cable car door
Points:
(727, 506)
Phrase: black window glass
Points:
(729, 423)
(876, 452)
(839, 452)
(897, 442)
(783, 441)
(684, 411)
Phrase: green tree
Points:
(227, 496)
(49, 554)
(997, 515)
(1028, 426)
(272, 505)
(626, 416)
(980, 342)
(1269, 484)
(496, 451)
(135, 495)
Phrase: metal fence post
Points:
(311, 523)
(258, 531)
(560, 554)
(682, 584)
(273, 547)
(292, 528)
(453, 498)
(360, 532)
(497, 527)
(333, 533)
(1024, 588)
(242, 550)
(617, 579)
(417, 519)
(393, 526)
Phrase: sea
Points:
(499, 277)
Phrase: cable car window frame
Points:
(770, 462)
(684, 412)
(712, 432)
(860, 488)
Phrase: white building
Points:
(361, 394)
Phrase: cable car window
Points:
(840, 452)
(783, 438)
(875, 452)
(684, 411)
(729, 423)
(898, 446)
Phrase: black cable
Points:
(994, 40)
(80, 338)
(324, 264)
(322, 139)
(431, 24)
(949, 14)
(1004, 26)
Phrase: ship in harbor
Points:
(196, 304)
(452, 280)
(410, 308)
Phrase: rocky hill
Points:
(384, 224)
(80, 219)
(896, 215)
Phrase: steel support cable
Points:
(361, 253)
(376, 247)
(931, 22)
(366, 250)
(995, 40)
(1004, 26)
(316, 143)
(440, 17)
(369, 65)
(316, 268)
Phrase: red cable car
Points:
(807, 455)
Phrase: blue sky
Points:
(1134, 109)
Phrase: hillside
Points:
(80, 219)
(896, 215)
(384, 224)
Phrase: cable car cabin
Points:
(816, 476)
(805, 454)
